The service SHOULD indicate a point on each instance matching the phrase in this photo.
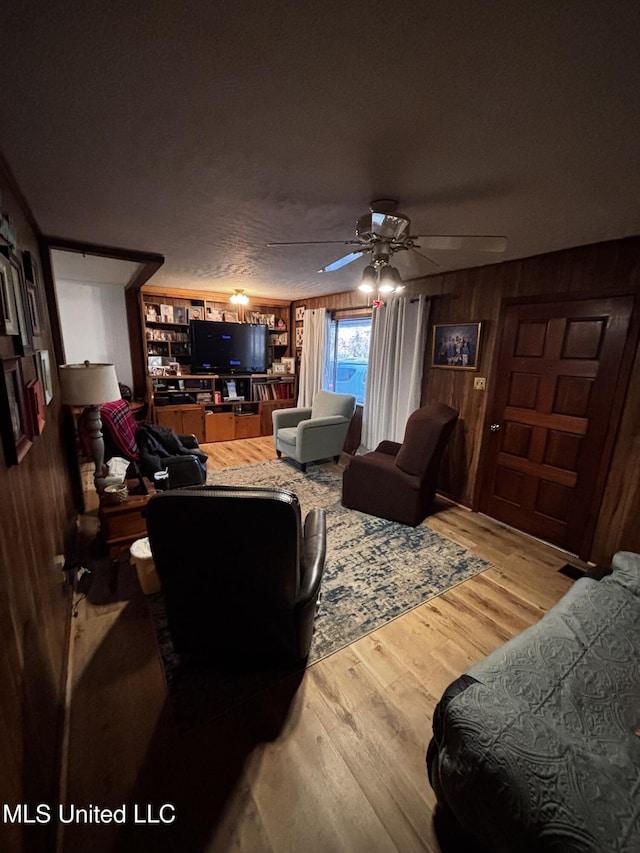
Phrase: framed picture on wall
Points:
(33, 308)
(299, 313)
(9, 319)
(37, 408)
(43, 370)
(456, 346)
(15, 421)
(23, 342)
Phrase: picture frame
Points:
(23, 341)
(279, 368)
(180, 315)
(37, 408)
(456, 346)
(166, 313)
(32, 305)
(289, 363)
(212, 313)
(9, 317)
(231, 317)
(299, 336)
(43, 372)
(152, 312)
(15, 421)
(300, 313)
(195, 312)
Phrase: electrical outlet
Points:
(479, 383)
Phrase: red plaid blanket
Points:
(122, 426)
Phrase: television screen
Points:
(228, 347)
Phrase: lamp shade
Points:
(389, 279)
(88, 384)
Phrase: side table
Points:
(121, 524)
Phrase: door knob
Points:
(494, 427)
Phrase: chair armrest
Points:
(189, 441)
(314, 553)
(390, 447)
(289, 417)
(319, 423)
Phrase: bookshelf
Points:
(189, 403)
(197, 404)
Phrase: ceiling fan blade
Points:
(342, 262)
(462, 242)
(431, 261)
(316, 243)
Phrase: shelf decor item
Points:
(289, 363)
(456, 346)
(180, 314)
(152, 312)
(166, 313)
(278, 367)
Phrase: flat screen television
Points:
(228, 347)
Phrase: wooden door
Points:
(555, 382)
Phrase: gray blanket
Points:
(543, 753)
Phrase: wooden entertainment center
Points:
(187, 402)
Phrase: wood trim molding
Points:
(213, 296)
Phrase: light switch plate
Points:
(479, 383)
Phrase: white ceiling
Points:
(91, 269)
(202, 131)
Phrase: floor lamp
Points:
(89, 386)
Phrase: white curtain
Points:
(396, 357)
(315, 354)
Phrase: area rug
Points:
(375, 571)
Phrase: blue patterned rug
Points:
(376, 570)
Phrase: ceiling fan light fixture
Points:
(369, 278)
(239, 298)
(389, 279)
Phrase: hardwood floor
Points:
(336, 765)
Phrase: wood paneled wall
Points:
(36, 514)
(477, 295)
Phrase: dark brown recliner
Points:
(240, 573)
(398, 481)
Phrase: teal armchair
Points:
(308, 434)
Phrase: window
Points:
(349, 356)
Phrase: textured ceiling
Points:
(202, 131)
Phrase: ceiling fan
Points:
(384, 231)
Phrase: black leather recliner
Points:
(240, 573)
